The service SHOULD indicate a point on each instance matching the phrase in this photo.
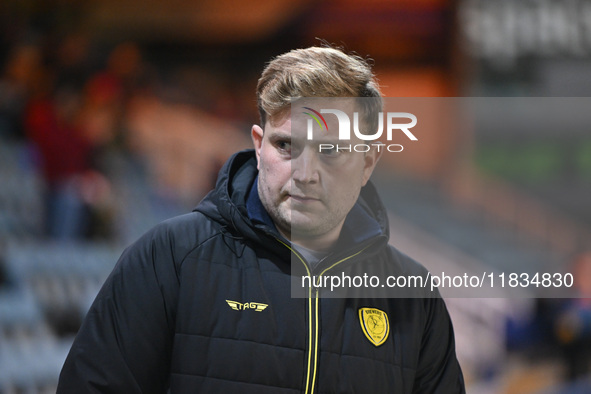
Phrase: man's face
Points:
(308, 193)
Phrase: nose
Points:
(304, 167)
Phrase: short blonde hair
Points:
(317, 72)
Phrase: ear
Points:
(371, 159)
(257, 140)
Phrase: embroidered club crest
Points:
(375, 325)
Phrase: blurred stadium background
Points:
(115, 115)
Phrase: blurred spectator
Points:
(22, 71)
(73, 188)
(106, 94)
(573, 323)
(72, 59)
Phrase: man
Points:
(202, 303)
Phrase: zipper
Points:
(313, 326)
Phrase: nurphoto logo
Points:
(393, 125)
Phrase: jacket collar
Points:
(255, 209)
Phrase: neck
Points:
(318, 243)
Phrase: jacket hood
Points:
(227, 203)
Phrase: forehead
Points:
(302, 109)
(307, 113)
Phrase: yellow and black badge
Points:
(375, 325)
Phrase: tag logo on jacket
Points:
(375, 325)
(238, 306)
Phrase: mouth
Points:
(303, 199)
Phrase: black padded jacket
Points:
(202, 304)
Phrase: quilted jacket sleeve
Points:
(124, 343)
(438, 370)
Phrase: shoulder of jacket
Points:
(405, 263)
(179, 235)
